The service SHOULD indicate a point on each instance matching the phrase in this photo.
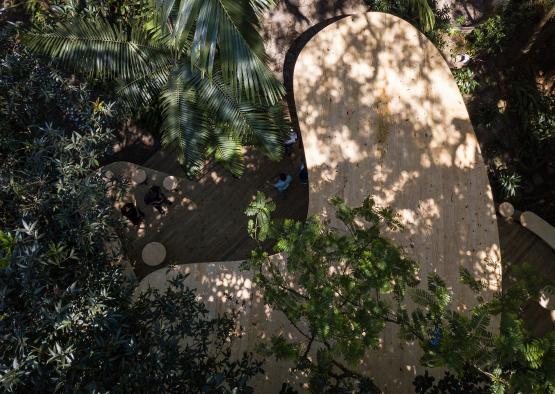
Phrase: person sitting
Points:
(156, 198)
(282, 184)
(134, 214)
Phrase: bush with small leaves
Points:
(341, 285)
(68, 319)
(465, 80)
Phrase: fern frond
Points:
(468, 279)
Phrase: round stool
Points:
(170, 183)
(154, 253)
(138, 176)
(506, 210)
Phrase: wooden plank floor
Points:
(207, 220)
(519, 245)
(380, 114)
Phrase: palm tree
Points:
(203, 60)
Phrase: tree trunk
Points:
(538, 30)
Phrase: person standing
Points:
(293, 137)
(303, 174)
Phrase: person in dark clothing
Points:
(156, 198)
(134, 214)
(303, 174)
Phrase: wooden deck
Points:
(380, 114)
(206, 221)
(519, 245)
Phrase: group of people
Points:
(153, 197)
(158, 200)
(282, 181)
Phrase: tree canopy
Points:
(68, 318)
(202, 61)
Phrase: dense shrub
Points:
(68, 322)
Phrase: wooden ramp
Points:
(379, 114)
(519, 245)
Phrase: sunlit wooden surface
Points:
(379, 114)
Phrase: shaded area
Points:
(473, 11)
(521, 245)
(285, 24)
(133, 144)
(206, 221)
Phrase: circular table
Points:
(170, 183)
(154, 253)
(138, 176)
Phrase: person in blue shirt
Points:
(282, 184)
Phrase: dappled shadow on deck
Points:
(380, 114)
(519, 245)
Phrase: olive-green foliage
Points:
(260, 211)
(465, 80)
(202, 61)
(431, 19)
(510, 182)
(344, 285)
(490, 36)
(68, 322)
(419, 10)
(542, 122)
(525, 125)
(340, 287)
(44, 13)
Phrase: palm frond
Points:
(425, 13)
(145, 87)
(253, 124)
(226, 31)
(184, 122)
(100, 48)
(242, 53)
(228, 151)
(261, 6)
